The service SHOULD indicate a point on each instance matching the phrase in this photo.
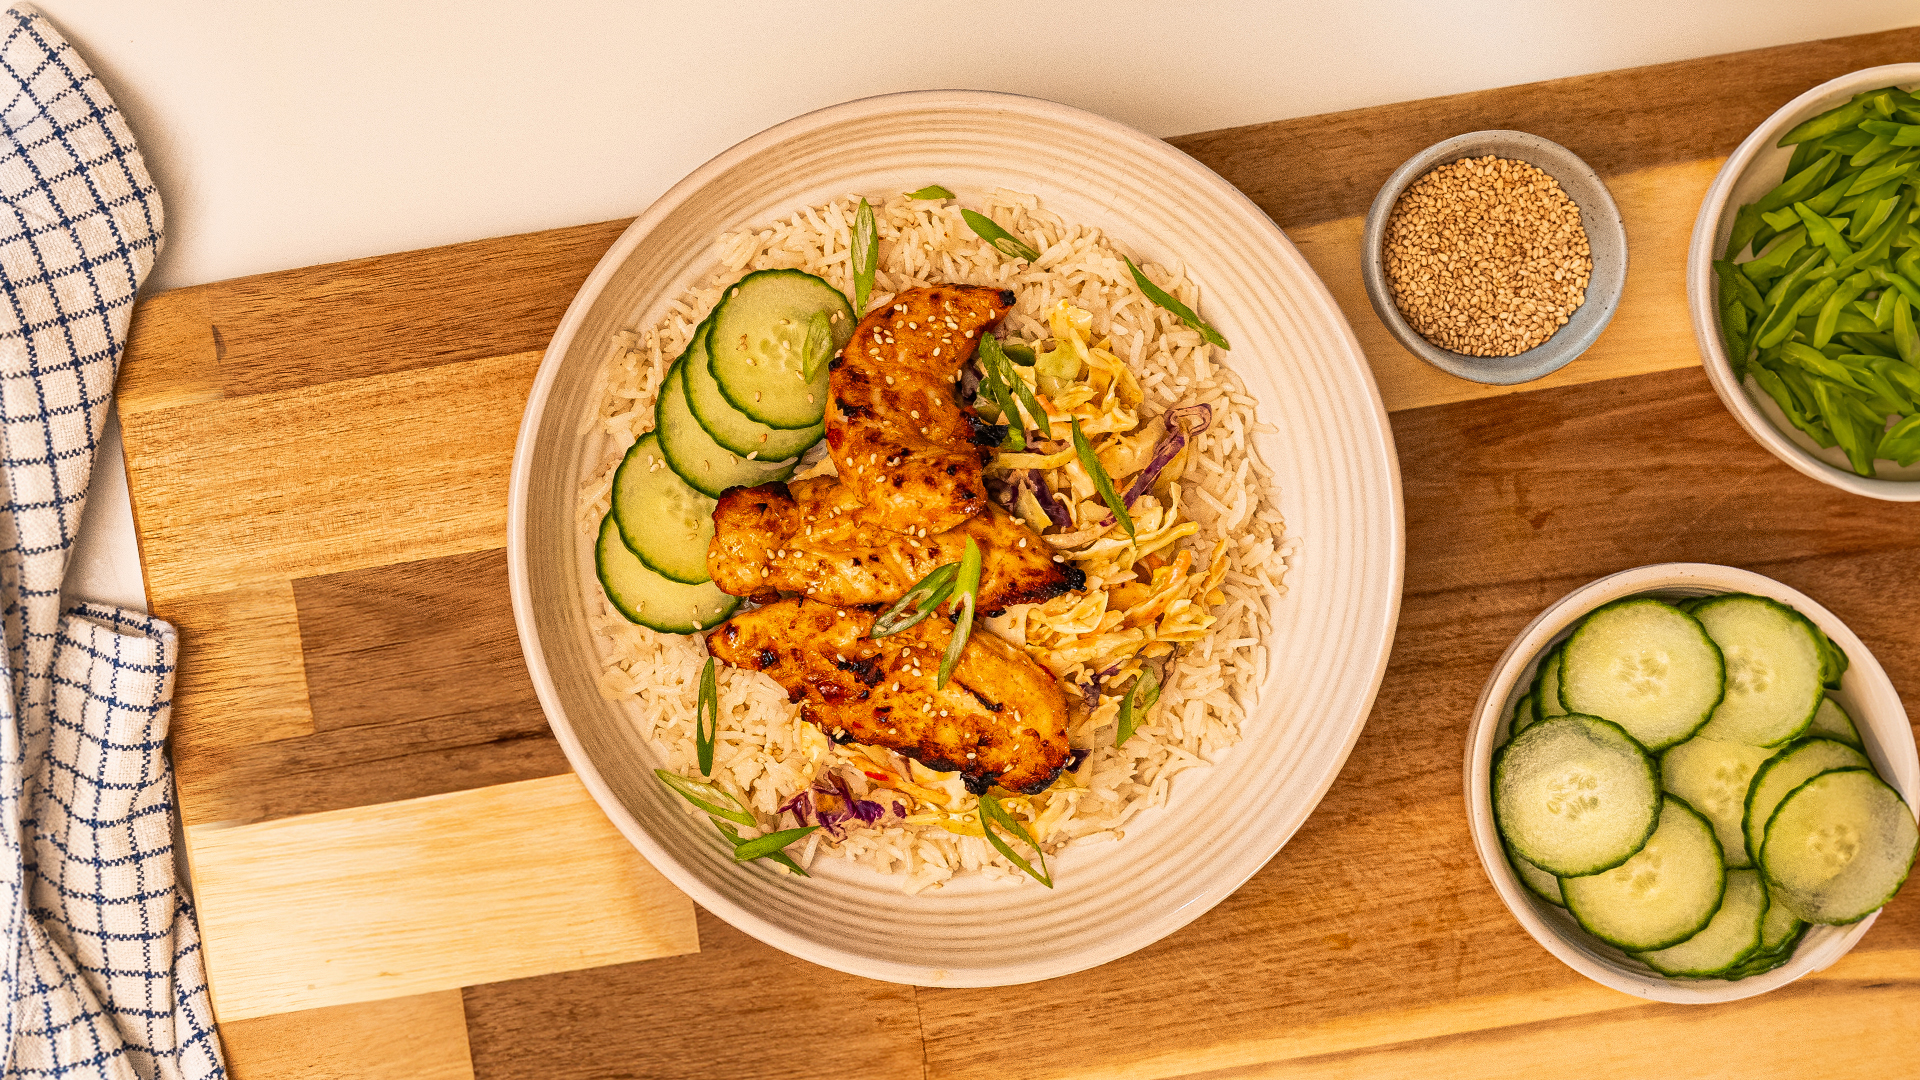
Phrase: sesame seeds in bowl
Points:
(1496, 256)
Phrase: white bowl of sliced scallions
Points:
(1692, 783)
(1803, 278)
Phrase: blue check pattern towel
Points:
(102, 965)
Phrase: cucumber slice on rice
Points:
(1729, 939)
(1575, 795)
(653, 600)
(705, 465)
(1793, 766)
(730, 427)
(759, 345)
(1713, 777)
(660, 517)
(1839, 846)
(1645, 665)
(1666, 893)
(1773, 662)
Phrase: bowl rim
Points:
(1543, 359)
(1517, 661)
(1705, 313)
(521, 587)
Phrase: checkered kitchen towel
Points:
(102, 964)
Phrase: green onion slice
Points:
(819, 347)
(994, 357)
(1018, 353)
(931, 191)
(1165, 299)
(864, 249)
(706, 719)
(780, 857)
(991, 814)
(994, 385)
(966, 588)
(1133, 708)
(1101, 483)
(1002, 240)
(712, 798)
(927, 593)
(764, 846)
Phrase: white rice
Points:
(765, 753)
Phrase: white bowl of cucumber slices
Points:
(1692, 783)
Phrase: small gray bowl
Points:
(1606, 239)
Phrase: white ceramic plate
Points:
(1756, 167)
(1864, 691)
(1338, 485)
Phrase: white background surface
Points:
(285, 134)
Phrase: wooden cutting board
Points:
(398, 877)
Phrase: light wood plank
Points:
(241, 678)
(1649, 331)
(428, 894)
(173, 355)
(386, 469)
(411, 1038)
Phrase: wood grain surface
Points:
(397, 877)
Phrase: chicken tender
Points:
(815, 537)
(1002, 719)
(895, 426)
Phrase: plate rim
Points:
(1318, 297)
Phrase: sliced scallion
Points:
(992, 814)
(931, 191)
(1166, 300)
(712, 798)
(1101, 483)
(706, 719)
(864, 250)
(764, 846)
(1003, 241)
(927, 593)
(777, 855)
(993, 356)
(966, 589)
(819, 347)
(1133, 708)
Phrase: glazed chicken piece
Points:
(897, 431)
(1002, 719)
(814, 537)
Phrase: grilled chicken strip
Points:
(895, 426)
(814, 537)
(1002, 719)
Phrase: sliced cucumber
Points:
(731, 428)
(1781, 929)
(1524, 713)
(1787, 770)
(1773, 662)
(1538, 881)
(759, 345)
(1713, 777)
(653, 601)
(1730, 938)
(709, 467)
(1833, 661)
(1645, 665)
(1839, 846)
(1575, 795)
(1661, 896)
(1546, 684)
(660, 518)
(1830, 721)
